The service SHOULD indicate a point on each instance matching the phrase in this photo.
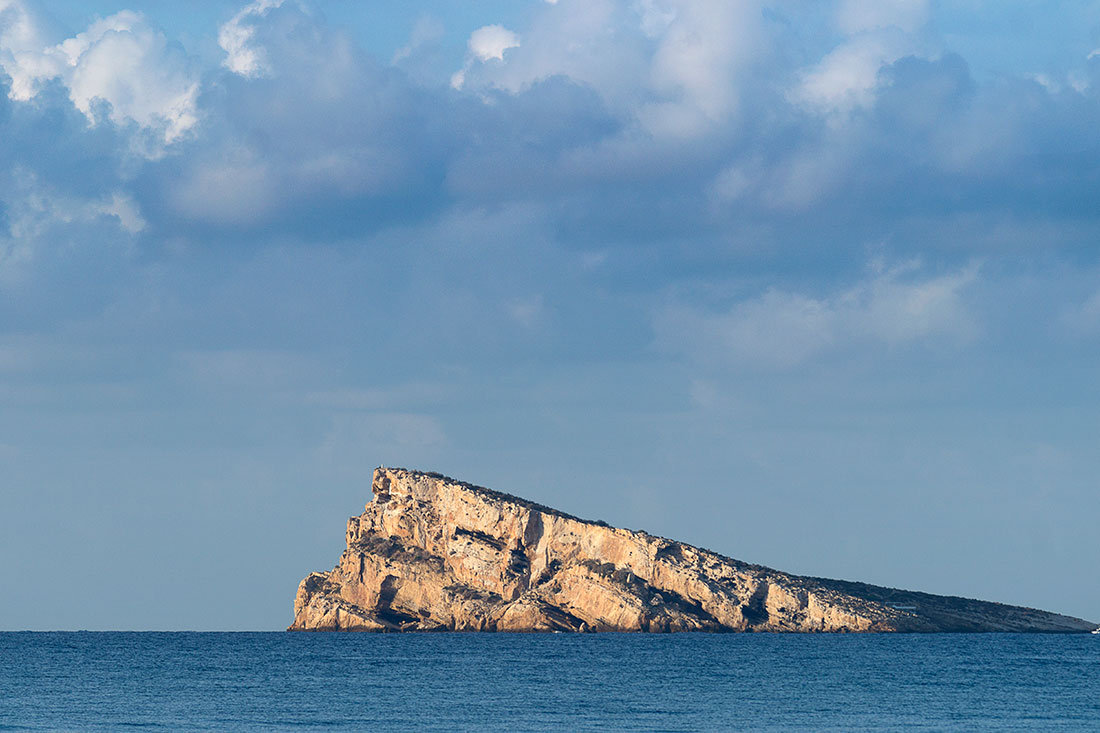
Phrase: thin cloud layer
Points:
(893, 308)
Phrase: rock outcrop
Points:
(432, 553)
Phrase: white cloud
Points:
(783, 329)
(846, 78)
(331, 125)
(120, 59)
(237, 38)
(701, 56)
(486, 44)
(675, 66)
(491, 41)
(22, 45)
(589, 41)
(879, 33)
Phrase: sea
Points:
(95, 681)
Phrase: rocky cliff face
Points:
(431, 553)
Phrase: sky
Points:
(815, 285)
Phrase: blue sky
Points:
(814, 285)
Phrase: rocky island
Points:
(432, 553)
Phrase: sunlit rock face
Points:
(432, 553)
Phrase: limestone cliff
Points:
(432, 553)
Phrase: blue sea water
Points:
(282, 681)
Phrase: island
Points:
(434, 554)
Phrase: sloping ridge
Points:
(433, 553)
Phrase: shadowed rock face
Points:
(432, 553)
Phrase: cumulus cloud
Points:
(625, 117)
(120, 60)
(676, 67)
(877, 34)
(702, 54)
(130, 65)
(593, 43)
(21, 49)
(781, 328)
(302, 130)
(486, 44)
(237, 37)
(491, 41)
(846, 78)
